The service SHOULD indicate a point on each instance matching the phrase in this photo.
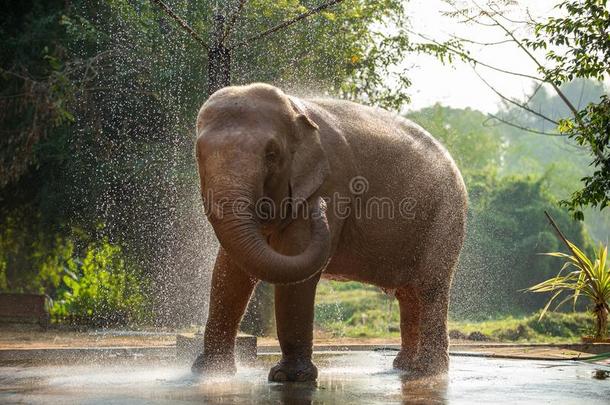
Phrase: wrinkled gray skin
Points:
(255, 141)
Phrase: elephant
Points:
(302, 189)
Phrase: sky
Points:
(459, 86)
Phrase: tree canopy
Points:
(578, 46)
(506, 227)
(98, 100)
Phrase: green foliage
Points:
(343, 310)
(477, 149)
(591, 278)
(93, 286)
(353, 309)
(591, 128)
(101, 290)
(505, 232)
(578, 46)
(506, 228)
(98, 98)
(30, 261)
(554, 327)
(557, 159)
(583, 33)
(535, 154)
(345, 51)
(571, 325)
(52, 264)
(82, 51)
(34, 97)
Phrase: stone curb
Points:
(76, 354)
(169, 353)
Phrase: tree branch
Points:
(499, 13)
(522, 106)
(181, 22)
(536, 90)
(471, 41)
(512, 124)
(492, 13)
(467, 18)
(469, 58)
(541, 68)
(231, 23)
(533, 58)
(287, 23)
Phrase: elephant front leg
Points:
(294, 312)
(229, 296)
(423, 329)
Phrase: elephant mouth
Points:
(271, 220)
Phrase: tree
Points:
(558, 159)
(506, 232)
(99, 99)
(218, 51)
(577, 46)
(477, 149)
(219, 67)
(583, 33)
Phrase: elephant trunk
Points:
(239, 234)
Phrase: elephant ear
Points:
(309, 163)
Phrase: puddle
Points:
(355, 377)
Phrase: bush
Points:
(521, 332)
(555, 327)
(100, 290)
(89, 280)
(561, 324)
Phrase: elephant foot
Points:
(213, 365)
(422, 365)
(403, 361)
(293, 370)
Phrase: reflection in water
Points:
(354, 378)
(298, 393)
(424, 390)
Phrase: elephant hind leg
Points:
(424, 302)
(423, 329)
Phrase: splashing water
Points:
(357, 377)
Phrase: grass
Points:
(359, 311)
(554, 328)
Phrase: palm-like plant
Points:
(590, 278)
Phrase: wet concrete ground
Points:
(355, 377)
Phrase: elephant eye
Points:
(272, 153)
(271, 156)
